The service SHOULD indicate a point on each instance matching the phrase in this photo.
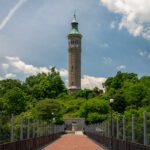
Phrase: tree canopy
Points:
(43, 94)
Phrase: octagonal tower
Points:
(74, 57)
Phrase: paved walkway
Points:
(73, 142)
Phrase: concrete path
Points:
(73, 142)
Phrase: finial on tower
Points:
(75, 13)
(74, 17)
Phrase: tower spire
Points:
(74, 19)
(75, 12)
(74, 25)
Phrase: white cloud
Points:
(107, 60)
(11, 13)
(25, 68)
(9, 76)
(144, 53)
(63, 72)
(121, 67)
(5, 66)
(105, 45)
(90, 82)
(28, 69)
(17, 64)
(113, 24)
(1, 78)
(135, 15)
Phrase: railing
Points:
(117, 143)
(14, 129)
(131, 133)
(30, 144)
(26, 134)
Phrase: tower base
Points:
(73, 90)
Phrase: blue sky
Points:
(33, 37)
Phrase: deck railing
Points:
(118, 144)
(30, 144)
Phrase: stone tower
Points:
(74, 52)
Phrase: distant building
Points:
(74, 57)
(74, 124)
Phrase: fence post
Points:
(113, 126)
(28, 130)
(33, 128)
(145, 128)
(44, 129)
(12, 128)
(124, 128)
(133, 132)
(49, 129)
(40, 133)
(108, 129)
(105, 129)
(117, 128)
(53, 130)
(21, 129)
(37, 129)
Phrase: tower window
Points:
(72, 42)
(71, 68)
(72, 83)
(76, 42)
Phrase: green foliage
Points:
(135, 95)
(128, 91)
(95, 110)
(14, 101)
(95, 117)
(8, 84)
(118, 81)
(45, 85)
(120, 103)
(48, 110)
(43, 94)
(86, 93)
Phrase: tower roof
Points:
(74, 25)
(74, 20)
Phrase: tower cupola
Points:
(74, 25)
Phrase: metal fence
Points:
(30, 144)
(128, 132)
(118, 144)
(15, 132)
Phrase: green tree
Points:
(118, 81)
(135, 95)
(95, 108)
(48, 109)
(14, 101)
(45, 85)
(8, 84)
(120, 103)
